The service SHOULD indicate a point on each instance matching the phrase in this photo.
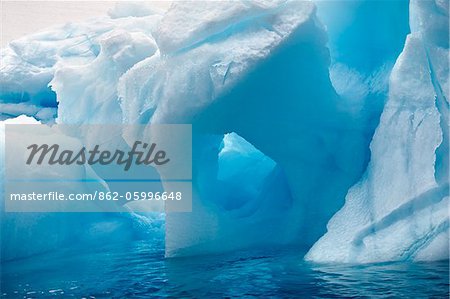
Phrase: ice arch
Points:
(259, 69)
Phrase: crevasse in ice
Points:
(285, 98)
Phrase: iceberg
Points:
(307, 132)
(29, 63)
(28, 233)
(399, 209)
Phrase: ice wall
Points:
(400, 208)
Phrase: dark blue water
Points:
(139, 270)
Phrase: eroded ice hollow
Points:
(284, 100)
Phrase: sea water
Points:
(139, 270)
